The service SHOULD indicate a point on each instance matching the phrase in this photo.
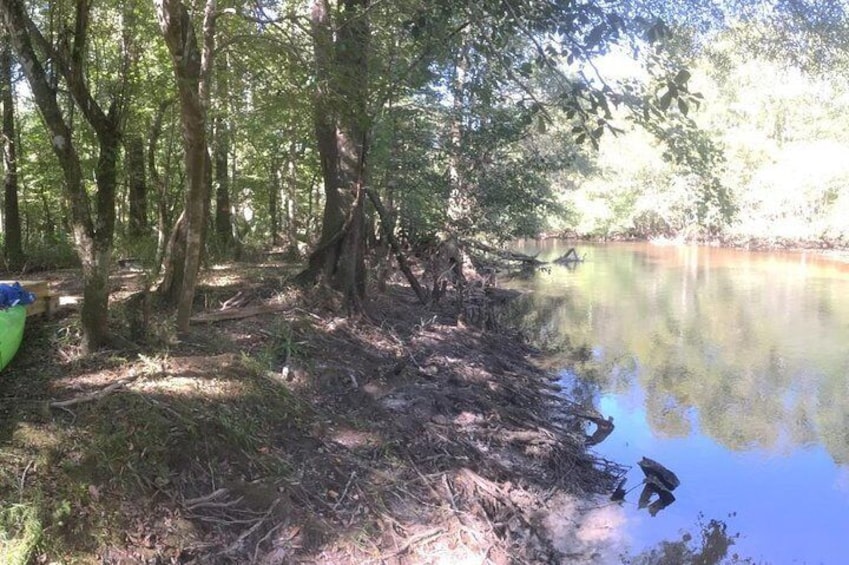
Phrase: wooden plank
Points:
(45, 303)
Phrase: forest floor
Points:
(291, 435)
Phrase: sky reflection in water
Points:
(728, 368)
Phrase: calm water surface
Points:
(732, 369)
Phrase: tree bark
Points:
(186, 57)
(292, 199)
(12, 236)
(274, 203)
(160, 184)
(223, 219)
(138, 226)
(341, 130)
(459, 201)
(93, 235)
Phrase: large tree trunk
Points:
(341, 130)
(179, 35)
(12, 236)
(92, 237)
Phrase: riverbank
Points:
(285, 433)
(837, 249)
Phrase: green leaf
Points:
(682, 77)
(682, 105)
(666, 100)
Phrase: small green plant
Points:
(20, 534)
(280, 349)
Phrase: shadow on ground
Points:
(295, 436)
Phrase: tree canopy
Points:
(180, 133)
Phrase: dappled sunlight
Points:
(34, 436)
(354, 439)
(191, 387)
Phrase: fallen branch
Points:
(92, 396)
(239, 543)
(402, 259)
(569, 257)
(236, 313)
(506, 255)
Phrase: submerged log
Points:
(604, 426)
(664, 497)
(569, 257)
(530, 260)
(658, 474)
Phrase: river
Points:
(731, 368)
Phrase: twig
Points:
(24, 477)
(236, 545)
(345, 491)
(413, 540)
(265, 538)
(199, 501)
(97, 395)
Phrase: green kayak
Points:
(12, 322)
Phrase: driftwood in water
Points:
(664, 498)
(529, 260)
(660, 481)
(604, 426)
(657, 473)
(569, 257)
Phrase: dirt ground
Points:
(291, 435)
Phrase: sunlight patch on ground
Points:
(38, 437)
(355, 438)
(192, 387)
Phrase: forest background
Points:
(174, 135)
(712, 121)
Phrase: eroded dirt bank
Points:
(293, 435)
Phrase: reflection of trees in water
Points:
(710, 546)
(761, 363)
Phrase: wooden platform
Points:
(45, 303)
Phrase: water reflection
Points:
(732, 364)
(712, 544)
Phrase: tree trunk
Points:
(160, 184)
(292, 200)
(12, 236)
(340, 121)
(459, 201)
(223, 220)
(138, 226)
(274, 204)
(180, 39)
(92, 237)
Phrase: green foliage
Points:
(20, 534)
(51, 252)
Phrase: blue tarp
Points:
(14, 295)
